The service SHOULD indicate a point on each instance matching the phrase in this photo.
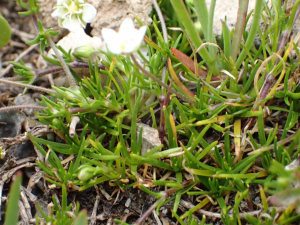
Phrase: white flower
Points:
(74, 14)
(127, 40)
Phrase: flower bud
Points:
(155, 62)
(190, 2)
(83, 51)
(87, 172)
(56, 123)
(198, 28)
(284, 181)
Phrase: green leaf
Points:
(12, 210)
(81, 219)
(5, 32)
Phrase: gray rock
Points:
(10, 123)
(150, 137)
(229, 10)
(25, 100)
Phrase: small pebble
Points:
(257, 200)
(127, 203)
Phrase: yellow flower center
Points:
(73, 7)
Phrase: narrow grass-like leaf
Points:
(45, 142)
(81, 149)
(241, 176)
(183, 88)
(152, 152)
(184, 17)
(163, 154)
(12, 210)
(178, 193)
(199, 138)
(255, 25)
(237, 139)
(206, 150)
(263, 198)
(81, 218)
(245, 162)
(203, 203)
(261, 128)
(190, 157)
(294, 143)
(133, 126)
(94, 182)
(152, 162)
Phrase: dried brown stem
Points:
(8, 108)
(28, 86)
(64, 65)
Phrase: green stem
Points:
(57, 53)
(239, 28)
(255, 25)
(165, 35)
(210, 33)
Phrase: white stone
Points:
(228, 8)
(150, 137)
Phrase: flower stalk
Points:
(64, 65)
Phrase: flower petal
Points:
(55, 13)
(109, 35)
(61, 12)
(130, 47)
(126, 27)
(111, 39)
(135, 41)
(140, 34)
(71, 24)
(89, 13)
(114, 48)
